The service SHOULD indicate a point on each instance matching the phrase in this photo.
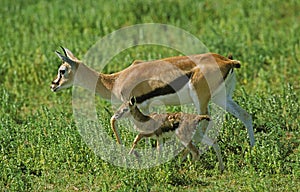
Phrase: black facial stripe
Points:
(57, 82)
(170, 88)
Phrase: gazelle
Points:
(159, 126)
(174, 81)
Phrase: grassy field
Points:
(41, 148)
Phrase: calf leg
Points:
(136, 140)
(194, 150)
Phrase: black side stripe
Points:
(170, 88)
(166, 129)
(229, 72)
(171, 128)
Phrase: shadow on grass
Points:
(186, 182)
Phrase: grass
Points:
(41, 148)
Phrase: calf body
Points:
(159, 126)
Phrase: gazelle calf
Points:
(163, 125)
(173, 81)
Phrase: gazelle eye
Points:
(62, 71)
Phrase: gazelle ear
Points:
(132, 101)
(69, 54)
(66, 59)
(230, 56)
(62, 57)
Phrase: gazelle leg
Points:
(237, 111)
(195, 99)
(202, 109)
(233, 108)
(216, 148)
(136, 140)
(219, 156)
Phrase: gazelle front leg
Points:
(216, 148)
(219, 156)
(201, 103)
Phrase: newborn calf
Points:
(159, 126)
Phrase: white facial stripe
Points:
(62, 68)
(56, 81)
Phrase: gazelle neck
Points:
(100, 83)
(138, 115)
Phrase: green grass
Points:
(40, 145)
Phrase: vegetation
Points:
(41, 147)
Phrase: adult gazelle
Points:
(173, 81)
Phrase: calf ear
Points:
(132, 101)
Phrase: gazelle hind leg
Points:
(237, 111)
(233, 108)
(224, 99)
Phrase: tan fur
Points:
(139, 80)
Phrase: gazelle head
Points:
(125, 109)
(66, 71)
